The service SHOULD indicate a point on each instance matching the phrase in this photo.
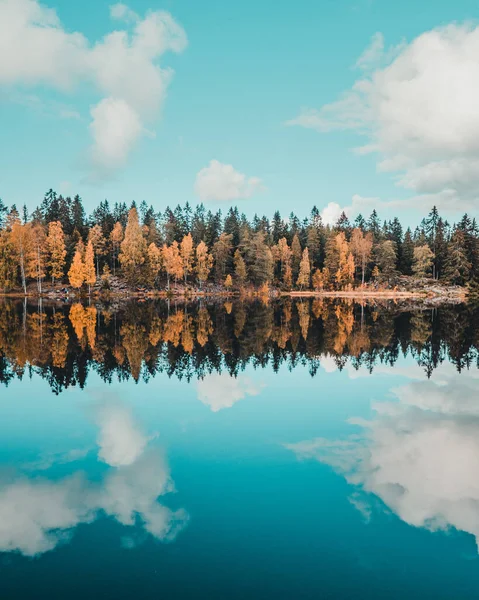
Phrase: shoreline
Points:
(447, 295)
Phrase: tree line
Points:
(59, 243)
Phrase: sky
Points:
(347, 104)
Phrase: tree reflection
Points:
(138, 340)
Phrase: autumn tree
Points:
(320, 279)
(296, 256)
(422, 262)
(21, 242)
(204, 263)
(304, 271)
(155, 262)
(172, 262)
(76, 274)
(116, 237)
(284, 256)
(240, 269)
(37, 258)
(56, 250)
(186, 253)
(89, 266)
(133, 248)
(361, 246)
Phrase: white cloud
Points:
(221, 182)
(419, 113)
(123, 67)
(359, 205)
(220, 391)
(121, 12)
(37, 514)
(115, 128)
(419, 455)
(373, 53)
(120, 440)
(331, 213)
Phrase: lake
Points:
(308, 449)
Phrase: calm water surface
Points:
(285, 450)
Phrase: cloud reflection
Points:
(419, 454)
(36, 513)
(220, 391)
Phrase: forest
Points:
(198, 249)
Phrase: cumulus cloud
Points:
(36, 514)
(223, 182)
(123, 66)
(220, 391)
(418, 113)
(419, 455)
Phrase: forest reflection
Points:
(64, 343)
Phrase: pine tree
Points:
(385, 258)
(407, 258)
(457, 268)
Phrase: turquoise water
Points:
(345, 484)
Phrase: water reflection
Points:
(38, 512)
(419, 454)
(63, 344)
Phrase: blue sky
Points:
(241, 72)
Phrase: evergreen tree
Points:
(407, 257)
(457, 267)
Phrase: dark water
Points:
(284, 450)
